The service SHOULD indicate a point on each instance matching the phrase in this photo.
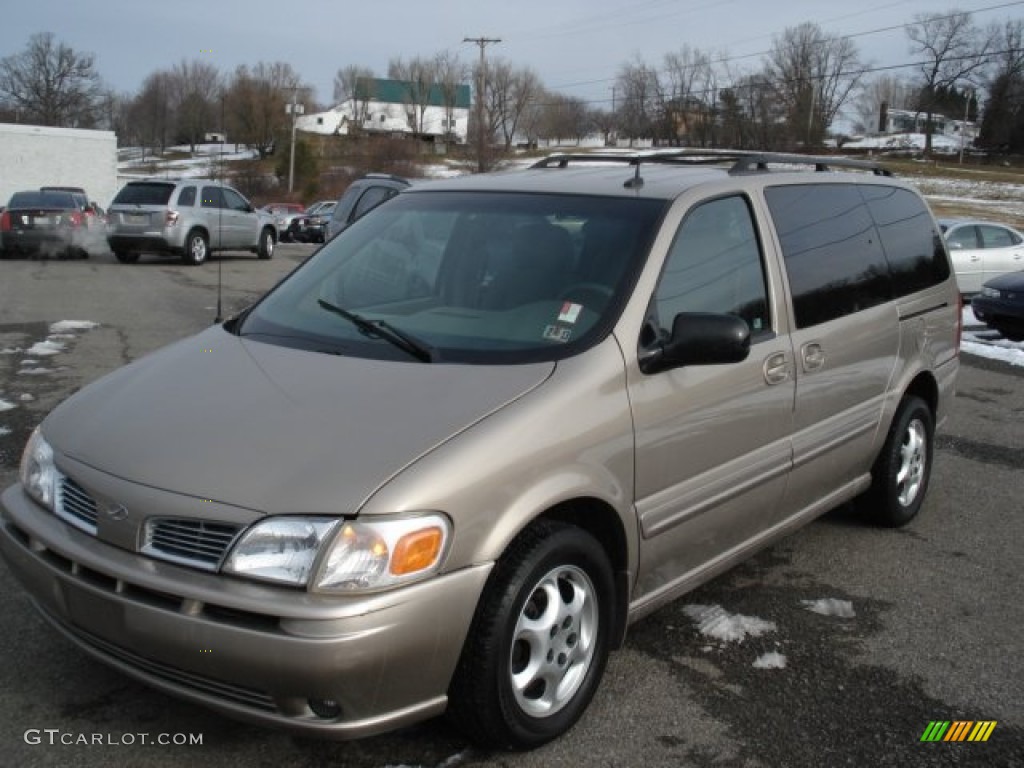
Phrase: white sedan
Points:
(981, 250)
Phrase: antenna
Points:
(220, 316)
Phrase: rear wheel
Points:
(539, 641)
(126, 257)
(902, 470)
(197, 248)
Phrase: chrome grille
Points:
(199, 543)
(76, 506)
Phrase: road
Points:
(936, 631)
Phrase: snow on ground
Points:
(914, 141)
(66, 326)
(6, 405)
(770, 660)
(980, 341)
(830, 606)
(202, 163)
(714, 621)
(4, 431)
(45, 348)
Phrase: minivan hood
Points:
(274, 429)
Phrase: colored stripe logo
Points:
(958, 730)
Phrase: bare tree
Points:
(151, 111)
(953, 50)
(255, 104)
(49, 83)
(511, 92)
(636, 89)
(195, 92)
(889, 90)
(813, 75)
(451, 74)
(1002, 125)
(419, 76)
(563, 117)
(683, 95)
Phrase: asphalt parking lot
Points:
(918, 625)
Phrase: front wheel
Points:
(902, 470)
(539, 641)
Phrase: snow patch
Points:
(10, 351)
(44, 348)
(37, 371)
(26, 362)
(4, 431)
(714, 621)
(66, 326)
(25, 397)
(770, 660)
(830, 606)
(1007, 351)
(5, 405)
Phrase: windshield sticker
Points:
(570, 312)
(555, 333)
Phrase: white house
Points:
(394, 107)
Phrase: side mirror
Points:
(700, 338)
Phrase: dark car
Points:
(45, 223)
(1000, 305)
(311, 227)
(362, 196)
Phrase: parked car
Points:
(362, 196)
(190, 218)
(95, 218)
(301, 228)
(1000, 305)
(45, 223)
(981, 250)
(284, 214)
(446, 462)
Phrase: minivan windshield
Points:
(471, 277)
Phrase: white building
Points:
(392, 107)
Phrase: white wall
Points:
(33, 156)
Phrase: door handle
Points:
(776, 368)
(813, 356)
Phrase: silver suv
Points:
(484, 429)
(190, 218)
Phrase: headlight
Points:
(991, 293)
(371, 554)
(38, 472)
(282, 549)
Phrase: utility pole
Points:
(294, 109)
(481, 79)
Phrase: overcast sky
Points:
(576, 46)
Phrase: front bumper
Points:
(988, 309)
(367, 664)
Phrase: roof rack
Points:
(743, 161)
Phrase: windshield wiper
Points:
(382, 330)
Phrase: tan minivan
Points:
(447, 461)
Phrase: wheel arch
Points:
(602, 521)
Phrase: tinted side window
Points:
(831, 248)
(234, 201)
(715, 265)
(187, 196)
(963, 237)
(212, 197)
(996, 237)
(373, 197)
(912, 245)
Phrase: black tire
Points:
(902, 470)
(548, 559)
(197, 248)
(265, 249)
(126, 257)
(1011, 334)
